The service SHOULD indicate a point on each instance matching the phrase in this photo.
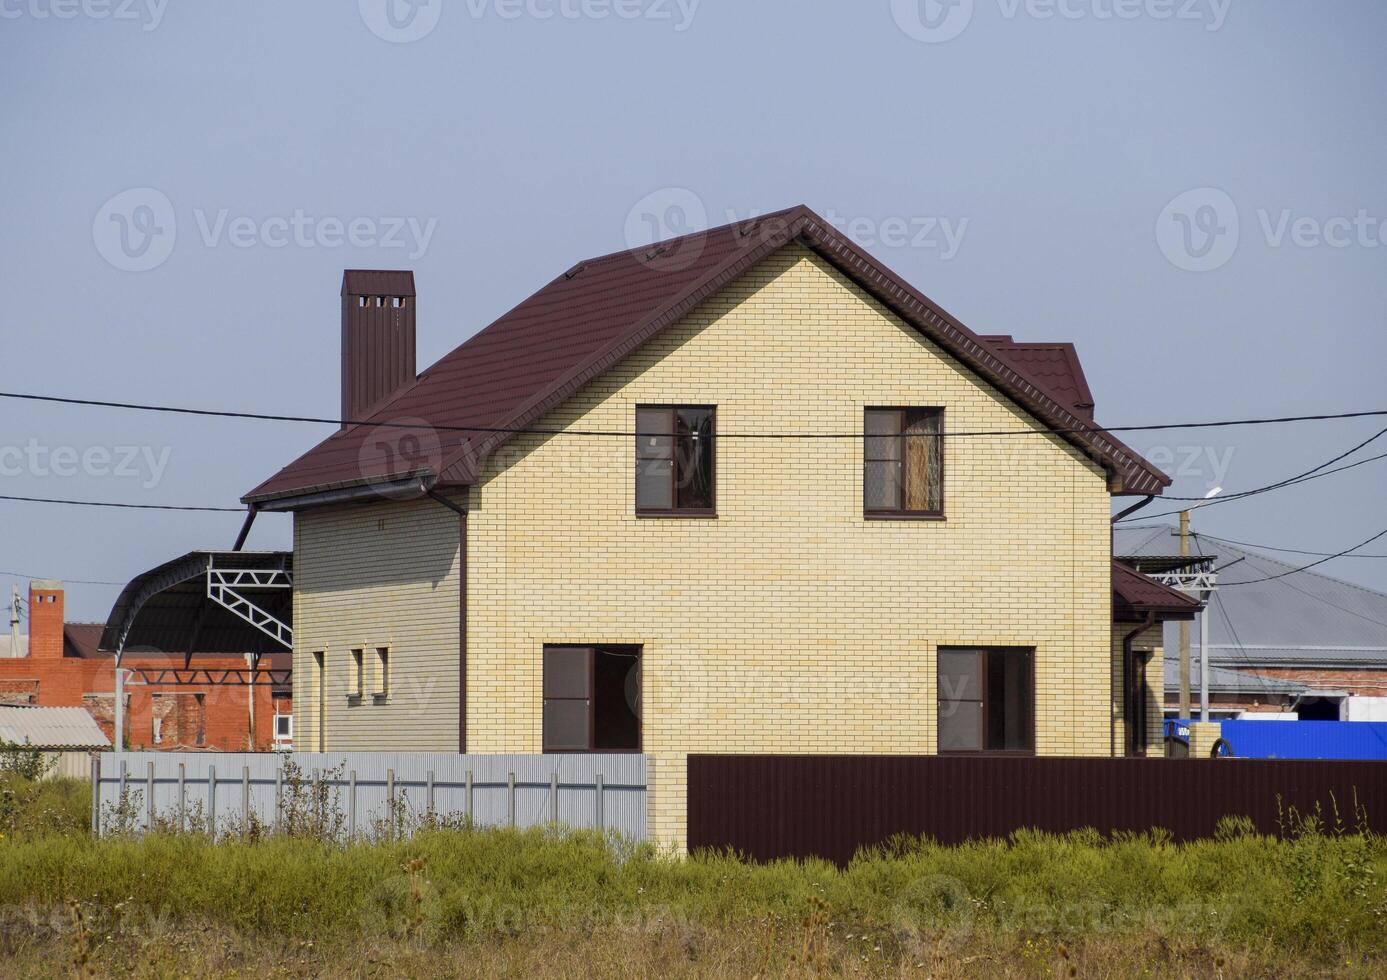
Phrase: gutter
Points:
(405, 488)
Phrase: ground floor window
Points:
(592, 698)
(986, 699)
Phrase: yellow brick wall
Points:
(368, 576)
(788, 623)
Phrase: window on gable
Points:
(903, 462)
(674, 460)
(986, 700)
(592, 699)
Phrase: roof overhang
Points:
(1136, 596)
(209, 602)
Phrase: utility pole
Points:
(14, 622)
(1184, 625)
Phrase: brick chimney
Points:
(46, 619)
(377, 338)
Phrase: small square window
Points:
(592, 699)
(986, 700)
(675, 449)
(903, 462)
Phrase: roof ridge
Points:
(750, 219)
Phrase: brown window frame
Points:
(901, 512)
(982, 699)
(591, 650)
(674, 510)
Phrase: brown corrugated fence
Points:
(778, 806)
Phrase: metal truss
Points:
(1199, 582)
(203, 676)
(223, 588)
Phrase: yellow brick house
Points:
(742, 491)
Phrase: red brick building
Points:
(64, 668)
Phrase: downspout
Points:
(251, 511)
(462, 611)
(1127, 639)
(1134, 508)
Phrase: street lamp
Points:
(1204, 630)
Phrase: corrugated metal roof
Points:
(51, 728)
(601, 310)
(1225, 681)
(1302, 619)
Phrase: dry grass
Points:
(664, 951)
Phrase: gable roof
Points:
(1134, 595)
(588, 319)
(1302, 619)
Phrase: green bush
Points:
(1318, 892)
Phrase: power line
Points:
(1302, 568)
(106, 503)
(1302, 478)
(1267, 547)
(65, 581)
(526, 430)
(1292, 479)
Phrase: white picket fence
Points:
(221, 791)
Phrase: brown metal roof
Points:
(599, 311)
(1134, 595)
(1053, 366)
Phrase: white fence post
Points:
(182, 797)
(510, 799)
(212, 801)
(467, 783)
(598, 814)
(428, 793)
(149, 803)
(554, 797)
(245, 800)
(96, 793)
(390, 803)
(279, 793)
(351, 805)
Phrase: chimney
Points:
(46, 619)
(377, 338)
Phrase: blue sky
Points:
(1193, 191)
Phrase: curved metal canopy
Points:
(208, 602)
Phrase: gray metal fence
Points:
(364, 794)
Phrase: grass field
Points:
(550, 904)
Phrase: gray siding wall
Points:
(369, 576)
